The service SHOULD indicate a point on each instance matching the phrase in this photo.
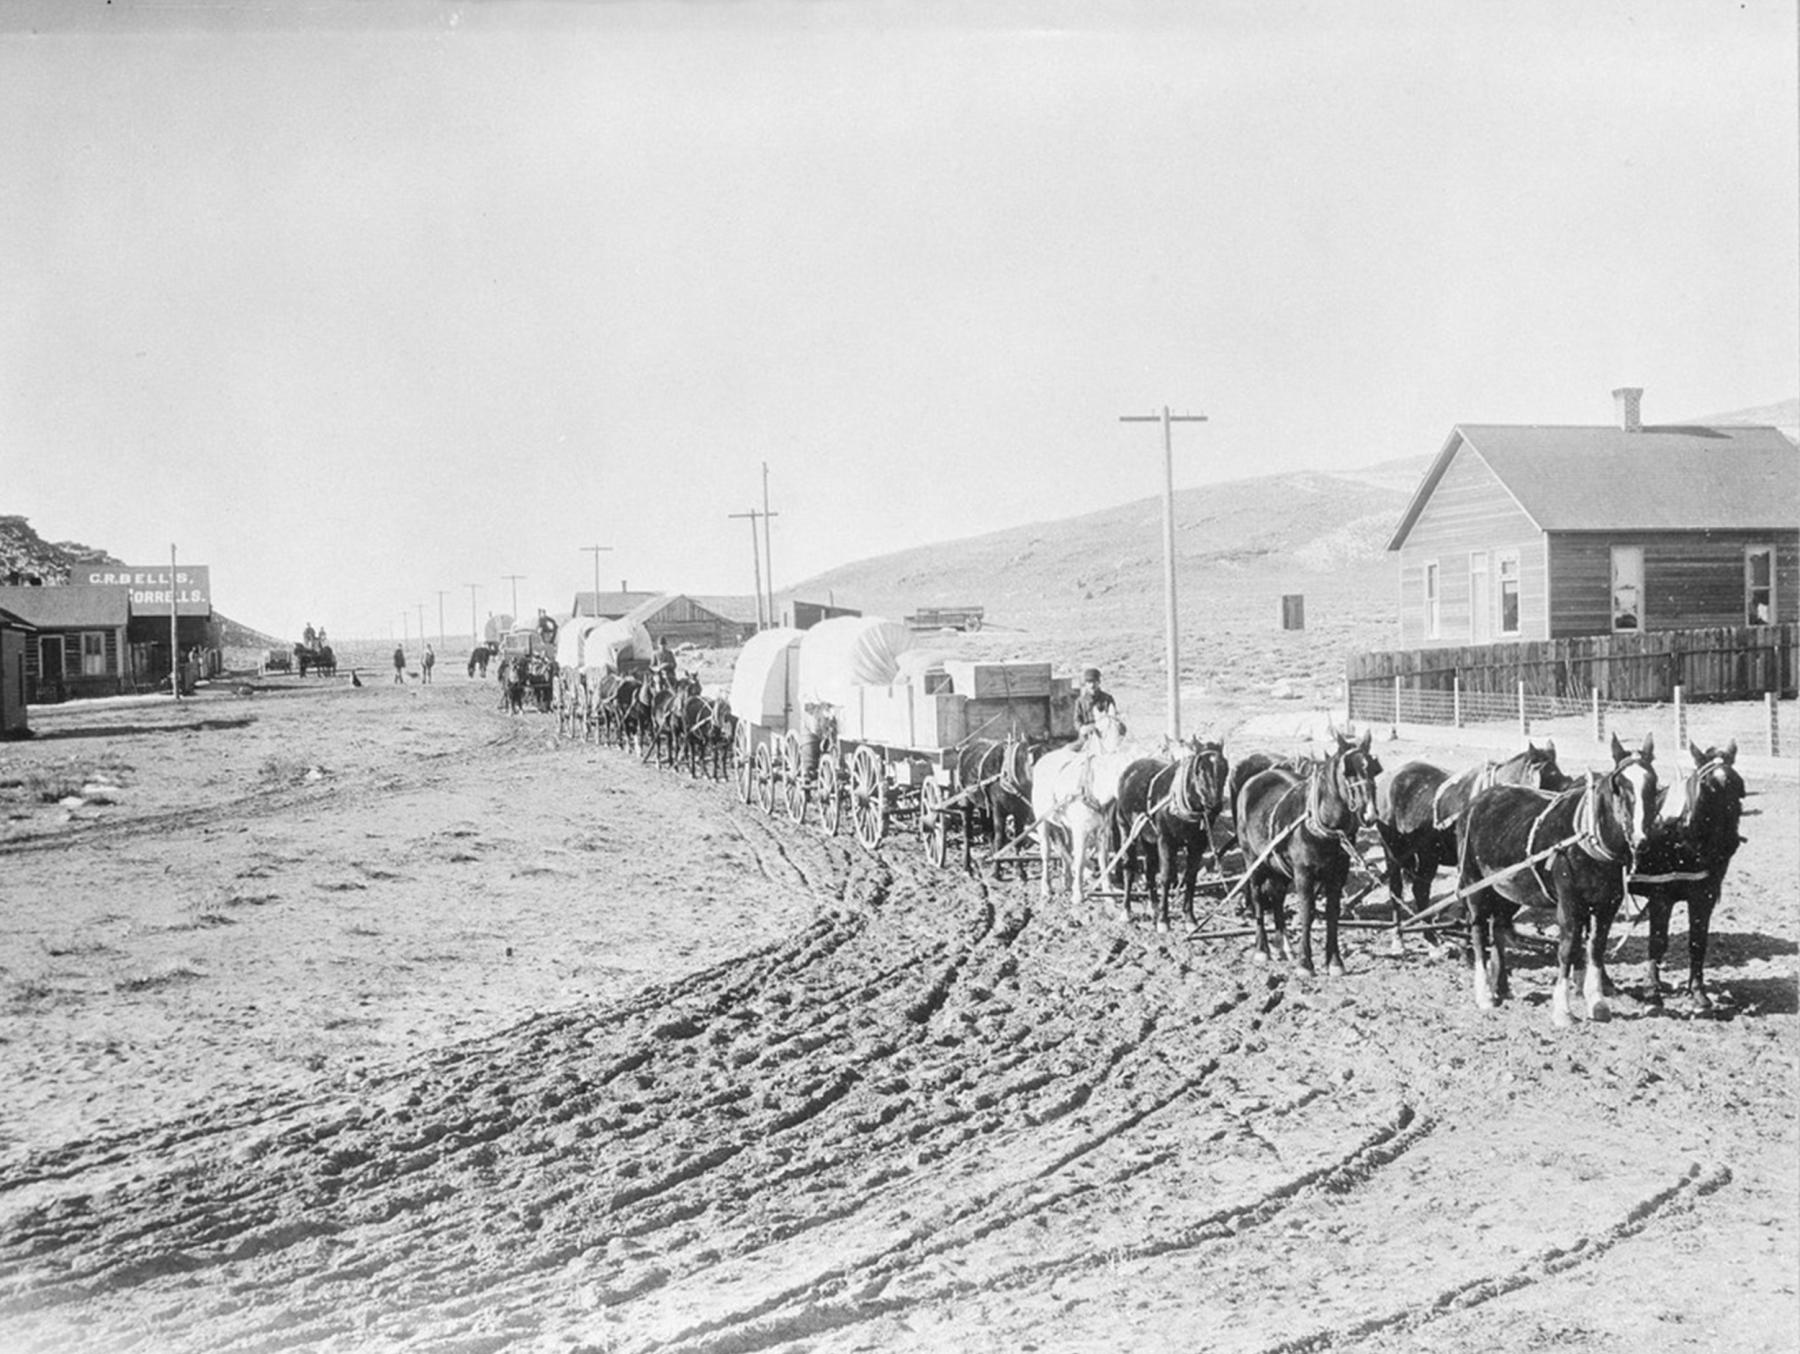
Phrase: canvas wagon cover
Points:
(765, 680)
(609, 642)
(571, 640)
(850, 651)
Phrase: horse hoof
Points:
(1259, 958)
(1336, 970)
(1600, 1010)
(1305, 968)
(1561, 1019)
(1701, 1003)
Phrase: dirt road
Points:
(377, 1020)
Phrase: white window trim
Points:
(1774, 610)
(1434, 600)
(102, 670)
(1643, 599)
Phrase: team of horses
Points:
(660, 715)
(1515, 833)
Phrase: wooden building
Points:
(79, 644)
(682, 620)
(15, 637)
(1531, 532)
(610, 606)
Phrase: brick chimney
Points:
(1626, 400)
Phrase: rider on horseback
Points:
(1091, 703)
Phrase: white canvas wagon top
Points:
(846, 652)
(765, 681)
(608, 643)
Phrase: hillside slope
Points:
(1098, 577)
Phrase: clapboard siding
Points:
(1691, 579)
(1469, 510)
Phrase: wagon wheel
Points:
(831, 795)
(794, 775)
(868, 798)
(763, 774)
(740, 770)
(934, 822)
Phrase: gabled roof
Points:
(611, 604)
(8, 621)
(1607, 479)
(648, 610)
(73, 606)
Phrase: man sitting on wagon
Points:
(1091, 703)
(663, 666)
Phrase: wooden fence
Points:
(1733, 662)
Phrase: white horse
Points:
(1073, 789)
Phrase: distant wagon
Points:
(967, 618)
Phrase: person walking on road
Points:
(426, 664)
(399, 665)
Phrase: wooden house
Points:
(79, 646)
(610, 606)
(15, 637)
(1532, 532)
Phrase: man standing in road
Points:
(399, 665)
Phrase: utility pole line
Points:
(474, 624)
(768, 550)
(1170, 624)
(420, 608)
(174, 632)
(442, 642)
(595, 550)
(756, 559)
(514, 578)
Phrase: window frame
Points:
(1750, 585)
(1503, 579)
(1434, 600)
(1642, 612)
(98, 667)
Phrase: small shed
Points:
(680, 619)
(1534, 532)
(15, 634)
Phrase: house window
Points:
(1759, 585)
(1431, 600)
(1507, 563)
(1481, 602)
(93, 653)
(1628, 587)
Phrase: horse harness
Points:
(1694, 780)
(1312, 783)
(1586, 835)
(1487, 776)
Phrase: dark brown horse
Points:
(1167, 809)
(995, 800)
(1690, 847)
(1529, 848)
(1419, 806)
(1297, 827)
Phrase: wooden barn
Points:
(1530, 532)
(610, 606)
(680, 619)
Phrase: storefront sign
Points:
(152, 589)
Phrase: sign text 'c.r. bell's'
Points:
(189, 589)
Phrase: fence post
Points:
(1396, 729)
(1774, 725)
(1681, 737)
(1524, 719)
(1456, 700)
(1599, 716)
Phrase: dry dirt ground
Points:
(375, 1020)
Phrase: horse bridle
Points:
(1181, 797)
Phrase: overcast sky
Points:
(358, 303)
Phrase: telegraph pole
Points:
(174, 632)
(474, 625)
(768, 550)
(442, 642)
(595, 550)
(756, 559)
(1170, 623)
(420, 608)
(514, 579)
